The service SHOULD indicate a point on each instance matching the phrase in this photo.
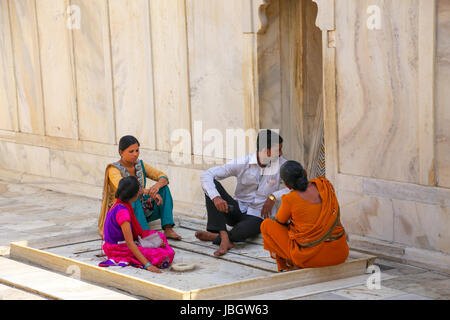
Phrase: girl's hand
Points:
(153, 269)
(128, 235)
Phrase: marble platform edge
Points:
(22, 252)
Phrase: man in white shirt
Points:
(257, 190)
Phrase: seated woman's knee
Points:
(266, 225)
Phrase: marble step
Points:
(11, 293)
(318, 288)
(53, 285)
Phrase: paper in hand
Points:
(152, 241)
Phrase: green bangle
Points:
(147, 265)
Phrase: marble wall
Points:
(395, 212)
(140, 67)
(8, 97)
(150, 67)
(442, 93)
(377, 82)
(393, 165)
(56, 71)
(215, 43)
(27, 65)
(93, 73)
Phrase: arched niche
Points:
(269, 93)
(259, 21)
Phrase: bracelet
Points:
(147, 265)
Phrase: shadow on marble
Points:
(324, 296)
(437, 290)
(364, 293)
(408, 297)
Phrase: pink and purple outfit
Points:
(116, 248)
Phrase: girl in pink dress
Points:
(122, 232)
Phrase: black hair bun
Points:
(301, 183)
(294, 176)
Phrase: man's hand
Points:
(266, 211)
(221, 204)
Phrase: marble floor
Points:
(28, 212)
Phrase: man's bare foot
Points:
(225, 244)
(205, 236)
(224, 247)
(170, 234)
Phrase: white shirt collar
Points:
(253, 159)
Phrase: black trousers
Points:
(244, 225)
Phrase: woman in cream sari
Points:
(153, 203)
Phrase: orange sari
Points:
(314, 238)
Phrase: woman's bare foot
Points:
(292, 267)
(225, 244)
(205, 235)
(170, 234)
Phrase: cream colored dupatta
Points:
(107, 201)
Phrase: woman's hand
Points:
(158, 199)
(153, 191)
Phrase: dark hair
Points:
(267, 139)
(128, 188)
(294, 176)
(127, 141)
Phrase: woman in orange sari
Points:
(306, 232)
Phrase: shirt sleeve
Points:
(153, 173)
(122, 216)
(114, 176)
(280, 193)
(284, 213)
(230, 169)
